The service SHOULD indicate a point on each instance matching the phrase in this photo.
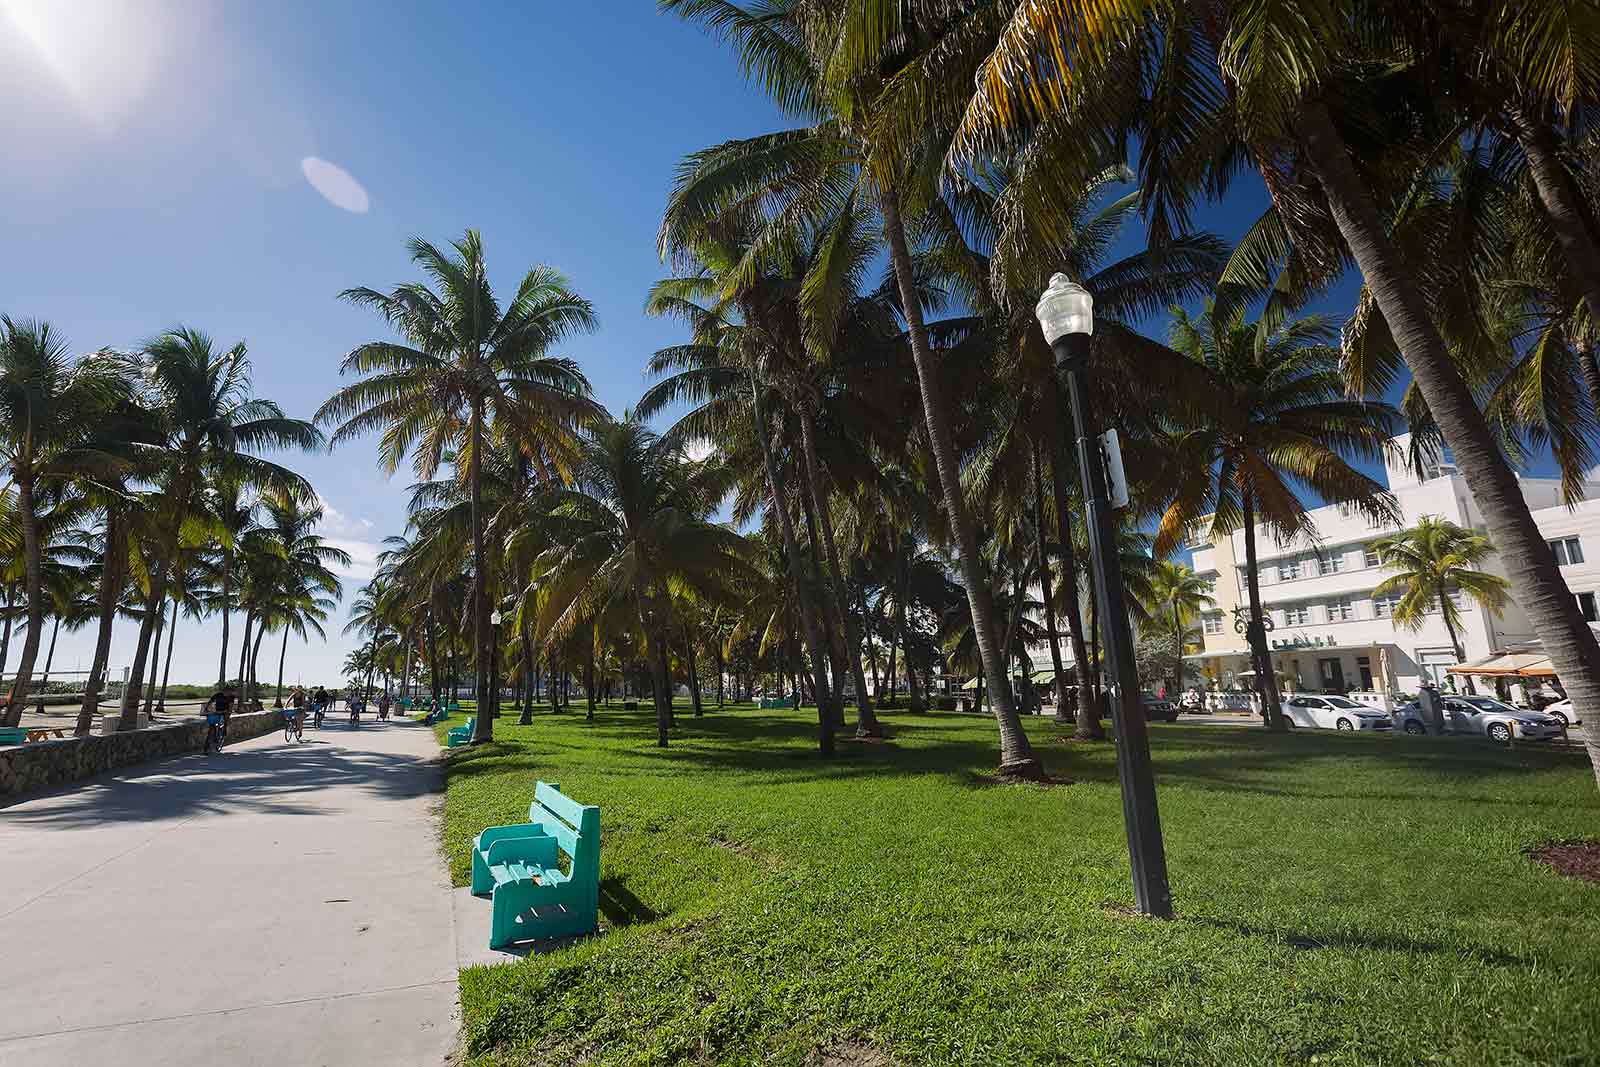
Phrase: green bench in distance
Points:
(12, 735)
(460, 735)
(519, 869)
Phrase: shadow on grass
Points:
(621, 908)
(1307, 940)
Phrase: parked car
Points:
(1333, 713)
(1157, 709)
(1563, 710)
(1484, 716)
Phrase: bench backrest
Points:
(576, 828)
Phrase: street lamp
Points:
(1066, 315)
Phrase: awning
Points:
(1508, 665)
(1221, 653)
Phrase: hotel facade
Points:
(1331, 634)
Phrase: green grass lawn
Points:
(1341, 899)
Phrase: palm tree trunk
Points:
(227, 581)
(5, 646)
(530, 672)
(33, 587)
(867, 641)
(110, 593)
(914, 695)
(655, 646)
(1045, 591)
(1572, 232)
(244, 649)
(160, 608)
(435, 680)
(716, 649)
(1530, 563)
(694, 674)
(255, 660)
(588, 685)
(484, 724)
(850, 636)
(166, 673)
(791, 550)
(1177, 654)
(831, 630)
(1256, 629)
(50, 655)
(1016, 754)
(283, 655)
(1089, 728)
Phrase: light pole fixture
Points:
(494, 618)
(1066, 315)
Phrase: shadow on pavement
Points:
(259, 778)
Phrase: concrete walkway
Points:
(275, 904)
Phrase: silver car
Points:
(1484, 716)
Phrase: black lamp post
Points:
(1066, 314)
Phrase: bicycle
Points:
(316, 715)
(216, 734)
(291, 726)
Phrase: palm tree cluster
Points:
(864, 386)
(139, 489)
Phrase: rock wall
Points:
(44, 764)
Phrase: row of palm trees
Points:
(875, 430)
(137, 481)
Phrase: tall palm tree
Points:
(50, 405)
(1176, 597)
(633, 530)
(1266, 413)
(304, 577)
(1434, 561)
(793, 48)
(462, 363)
(212, 427)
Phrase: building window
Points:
(1333, 564)
(1296, 615)
(1288, 570)
(1383, 607)
(1567, 550)
(1341, 611)
(1587, 606)
(1370, 554)
(1364, 665)
(1212, 624)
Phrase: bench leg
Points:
(509, 900)
(482, 880)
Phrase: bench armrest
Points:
(539, 850)
(495, 833)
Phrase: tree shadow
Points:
(264, 779)
(1310, 940)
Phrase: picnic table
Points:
(42, 733)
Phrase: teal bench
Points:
(12, 735)
(460, 735)
(776, 702)
(519, 869)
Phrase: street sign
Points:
(1116, 477)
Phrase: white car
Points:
(1563, 710)
(1485, 716)
(1333, 713)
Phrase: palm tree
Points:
(1266, 413)
(1434, 561)
(633, 530)
(829, 175)
(50, 406)
(304, 576)
(212, 428)
(1177, 595)
(464, 362)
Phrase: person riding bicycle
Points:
(319, 704)
(217, 711)
(297, 705)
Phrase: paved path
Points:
(276, 904)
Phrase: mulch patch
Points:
(1575, 858)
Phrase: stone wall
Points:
(40, 765)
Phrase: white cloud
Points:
(336, 185)
(337, 524)
(363, 557)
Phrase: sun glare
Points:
(106, 53)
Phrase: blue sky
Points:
(159, 157)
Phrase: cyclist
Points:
(319, 703)
(217, 711)
(297, 712)
(353, 702)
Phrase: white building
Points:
(1329, 632)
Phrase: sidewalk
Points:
(276, 904)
